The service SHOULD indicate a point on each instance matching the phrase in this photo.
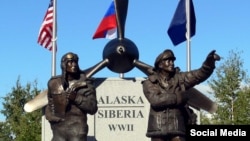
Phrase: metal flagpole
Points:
(121, 75)
(53, 70)
(54, 38)
(188, 34)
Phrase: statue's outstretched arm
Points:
(196, 99)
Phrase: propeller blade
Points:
(93, 70)
(36, 103)
(198, 100)
(145, 68)
(121, 8)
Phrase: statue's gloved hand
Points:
(77, 85)
(211, 58)
(71, 94)
(72, 90)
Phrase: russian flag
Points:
(108, 27)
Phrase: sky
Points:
(221, 25)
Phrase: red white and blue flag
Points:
(46, 30)
(108, 26)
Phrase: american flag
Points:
(46, 30)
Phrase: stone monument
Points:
(122, 108)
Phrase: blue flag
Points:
(177, 29)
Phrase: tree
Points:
(4, 136)
(19, 125)
(242, 108)
(231, 91)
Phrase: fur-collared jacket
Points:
(168, 112)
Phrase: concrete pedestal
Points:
(122, 112)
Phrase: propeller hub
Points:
(121, 54)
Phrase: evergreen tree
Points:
(231, 92)
(19, 125)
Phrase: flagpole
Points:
(188, 35)
(54, 38)
(53, 64)
(188, 27)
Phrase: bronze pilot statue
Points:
(165, 90)
(71, 96)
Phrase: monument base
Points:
(122, 112)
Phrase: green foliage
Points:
(242, 107)
(231, 92)
(19, 125)
(204, 118)
(4, 132)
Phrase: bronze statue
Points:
(165, 89)
(71, 96)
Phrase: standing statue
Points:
(71, 96)
(165, 90)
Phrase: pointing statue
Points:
(165, 89)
